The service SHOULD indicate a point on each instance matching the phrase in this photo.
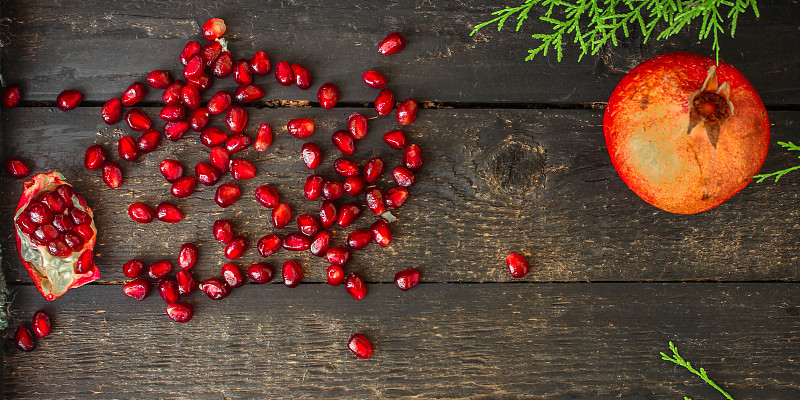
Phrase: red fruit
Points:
(295, 242)
(127, 149)
(133, 94)
(220, 102)
(384, 102)
(302, 78)
(407, 112)
(312, 155)
(66, 192)
(395, 197)
(292, 274)
(684, 133)
(242, 74)
(263, 137)
(381, 233)
(260, 63)
(180, 312)
(237, 142)
(187, 256)
(354, 185)
(137, 120)
(313, 187)
(172, 94)
(328, 95)
(267, 196)
(281, 215)
(517, 265)
(23, 339)
(268, 245)
(345, 167)
(236, 247)
(149, 140)
(300, 128)
(41, 324)
(206, 174)
(168, 212)
(344, 142)
(16, 168)
(186, 283)
(219, 159)
(332, 190)
(338, 256)
(396, 139)
(112, 174)
(374, 198)
(210, 52)
(133, 269)
(236, 118)
(12, 96)
(355, 286)
(412, 158)
(213, 28)
(359, 239)
(190, 97)
(158, 79)
(242, 169)
(188, 51)
(183, 187)
(172, 170)
(223, 66)
(406, 279)
(168, 289)
(307, 224)
(392, 43)
(334, 275)
(111, 112)
(357, 125)
(223, 231)
(212, 137)
(284, 74)
(320, 243)
(373, 169)
(374, 79)
(360, 346)
(141, 213)
(137, 289)
(403, 176)
(158, 270)
(227, 194)
(233, 275)
(202, 83)
(348, 214)
(249, 93)
(68, 99)
(215, 288)
(328, 214)
(198, 119)
(260, 272)
(86, 232)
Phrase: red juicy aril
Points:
(158, 270)
(148, 141)
(392, 43)
(41, 324)
(188, 51)
(338, 256)
(249, 93)
(292, 274)
(344, 142)
(373, 169)
(235, 248)
(111, 112)
(198, 119)
(201, 83)
(220, 102)
(172, 170)
(374, 198)
(320, 243)
(268, 245)
(360, 346)
(517, 265)
(263, 137)
(312, 155)
(374, 79)
(227, 194)
(12, 96)
(328, 214)
(284, 74)
(403, 177)
(406, 279)
(684, 133)
(357, 125)
(260, 63)
(137, 120)
(172, 94)
(174, 130)
(212, 137)
(54, 274)
(180, 312)
(206, 174)
(23, 339)
(348, 214)
(68, 99)
(242, 169)
(384, 102)
(223, 66)
(328, 95)
(300, 128)
(214, 28)
(281, 215)
(332, 190)
(112, 174)
(412, 158)
(242, 74)
(345, 167)
(159, 79)
(312, 189)
(210, 51)
(133, 94)
(260, 272)
(233, 275)
(302, 78)
(395, 197)
(307, 224)
(133, 269)
(354, 185)
(183, 187)
(127, 149)
(187, 256)
(236, 118)
(141, 213)
(396, 139)
(223, 230)
(355, 286)
(190, 97)
(194, 68)
(359, 239)
(16, 168)
(215, 288)
(172, 113)
(168, 290)
(168, 212)
(381, 233)
(220, 159)
(334, 275)
(407, 112)
(295, 242)
(267, 196)
(186, 283)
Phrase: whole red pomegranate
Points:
(684, 133)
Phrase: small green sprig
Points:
(677, 359)
(593, 23)
(789, 146)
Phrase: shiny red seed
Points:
(260, 272)
(63, 223)
(215, 288)
(302, 78)
(295, 242)
(59, 248)
(281, 215)
(328, 95)
(210, 52)
(68, 99)
(332, 190)
(320, 243)
(292, 274)
(412, 158)
(133, 269)
(267, 196)
(111, 112)
(312, 155)
(80, 217)
(180, 312)
(168, 289)
(112, 174)
(213, 137)
(354, 185)
(374, 79)
(407, 112)
(213, 28)
(263, 137)
(183, 187)
(403, 176)
(249, 93)
(172, 94)
(392, 43)
(141, 213)
(406, 279)
(137, 120)
(41, 324)
(172, 170)
(223, 66)
(374, 198)
(190, 97)
(41, 214)
(12, 95)
(16, 168)
(334, 275)
(133, 94)
(186, 283)
(242, 74)
(396, 139)
(202, 83)
(260, 63)
(328, 214)
(345, 167)
(232, 275)
(360, 346)
(284, 74)
(168, 212)
(149, 140)
(73, 241)
(26, 225)
(381, 233)
(220, 102)
(268, 245)
(235, 248)
(219, 158)
(338, 256)
(223, 231)
(359, 239)
(312, 189)
(67, 193)
(237, 142)
(355, 286)
(236, 118)
(198, 119)
(54, 202)
(242, 169)
(395, 197)
(159, 79)
(373, 169)
(187, 256)
(188, 51)
(45, 233)
(384, 102)
(158, 270)
(300, 128)
(86, 233)
(137, 289)
(307, 224)
(357, 126)
(344, 142)
(348, 213)
(127, 149)
(85, 262)
(227, 194)
(518, 266)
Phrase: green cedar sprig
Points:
(789, 146)
(677, 359)
(593, 23)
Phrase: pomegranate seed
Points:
(381, 233)
(263, 137)
(332, 190)
(188, 51)
(85, 232)
(127, 149)
(210, 52)
(260, 64)
(168, 212)
(67, 193)
(227, 194)
(320, 243)
(220, 102)
(374, 79)
(302, 78)
(374, 198)
(111, 112)
(186, 283)
(237, 142)
(219, 159)
(357, 125)
(242, 74)
(133, 94)
(360, 346)
(395, 197)
(206, 174)
(348, 214)
(74, 241)
(334, 275)
(233, 275)
(158, 79)
(59, 248)
(215, 288)
(141, 213)
(223, 231)
(198, 119)
(41, 324)
(345, 167)
(406, 279)
(223, 66)
(16, 168)
(396, 139)
(187, 256)
(328, 95)
(392, 43)
(68, 99)
(174, 130)
(133, 268)
(41, 214)
(344, 142)
(312, 155)
(137, 120)
(236, 118)
(359, 239)
(62, 223)
(268, 245)
(137, 289)
(242, 169)
(412, 158)
(249, 93)
(281, 215)
(517, 265)
(168, 289)
(403, 176)
(260, 272)
(307, 224)
(373, 169)
(313, 187)
(190, 97)
(26, 225)
(355, 286)
(202, 83)
(284, 74)
(407, 112)
(328, 214)
(213, 28)
(292, 274)
(338, 256)
(23, 339)
(295, 242)
(172, 170)
(236, 247)
(354, 186)
(172, 94)
(267, 196)
(183, 187)
(180, 312)
(112, 174)
(384, 102)
(12, 96)
(45, 233)
(79, 217)
(158, 270)
(300, 128)
(149, 140)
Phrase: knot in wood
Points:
(516, 166)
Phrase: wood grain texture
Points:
(535, 182)
(101, 47)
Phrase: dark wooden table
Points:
(514, 161)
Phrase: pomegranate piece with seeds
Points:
(302, 78)
(348, 213)
(232, 275)
(220, 102)
(149, 140)
(187, 256)
(159, 79)
(242, 73)
(137, 120)
(373, 169)
(384, 102)
(260, 63)
(215, 288)
(127, 149)
(260, 272)
(223, 66)
(328, 95)
(396, 139)
(284, 74)
(214, 28)
(236, 118)
(518, 266)
(320, 244)
(180, 312)
(111, 112)
(158, 270)
(267, 196)
(403, 177)
(407, 112)
(206, 174)
(406, 279)
(186, 283)
(172, 170)
(12, 96)
(223, 230)
(300, 128)
(312, 155)
(357, 125)
(393, 43)
(359, 239)
(355, 286)
(242, 170)
(374, 79)
(292, 274)
(183, 187)
(227, 194)
(168, 290)
(141, 213)
(312, 189)
(235, 248)
(334, 275)
(281, 215)
(344, 142)
(168, 212)
(16, 168)
(268, 245)
(68, 99)
(381, 233)
(137, 289)
(412, 158)
(133, 94)
(220, 159)
(41, 324)
(133, 269)
(23, 339)
(395, 197)
(188, 51)
(360, 346)
(338, 256)
(249, 93)
(263, 137)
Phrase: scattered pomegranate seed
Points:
(348, 213)
(359, 239)
(159, 79)
(360, 346)
(112, 174)
(320, 243)
(220, 102)
(187, 256)
(168, 289)
(172, 170)
(215, 288)
(223, 66)
(210, 52)
(219, 159)
(188, 51)
(180, 312)
(281, 215)
(223, 231)
(345, 167)
(328, 214)
(168, 212)
(403, 176)
(384, 102)
(268, 245)
(236, 118)
(23, 339)
(12, 96)
(190, 97)
(332, 190)
(242, 74)
(172, 94)
(213, 28)
(133, 94)
(263, 138)
(232, 275)
(133, 269)
(174, 130)
(374, 198)
(202, 83)
(227, 194)
(242, 169)
(395, 197)
(141, 213)
(183, 187)
(198, 119)
(127, 149)
(295, 242)
(354, 185)
(292, 274)
(517, 265)
(111, 112)
(381, 233)
(412, 158)
(16, 168)
(302, 78)
(392, 43)
(313, 187)
(260, 272)
(328, 95)
(260, 63)
(267, 196)
(149, 140)
(344, 142)
(355, 286)
(407, 112)
(312, 155)
(186, 283)
(406, 279)
(137, 120)
(249, 93)
(236, 247)
(213, 137)
(237, 142)
(357, 125)
(137, 289)
(300, 128)
(158, 270)
(396, 139)
(206, 174)
(41, 324)
(284, 74)
(338, 256)
(307, 224)
(334, 275)
(68, 99)
(373, 169)
(374, 79)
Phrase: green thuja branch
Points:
(789, 146)
(677, 359)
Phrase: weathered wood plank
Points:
(101, 48)
(536, 182)
(543, 341)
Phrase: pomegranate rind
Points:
(646, 127)
(52, 276)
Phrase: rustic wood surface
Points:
(514, 161)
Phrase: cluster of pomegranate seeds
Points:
(25, 337)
